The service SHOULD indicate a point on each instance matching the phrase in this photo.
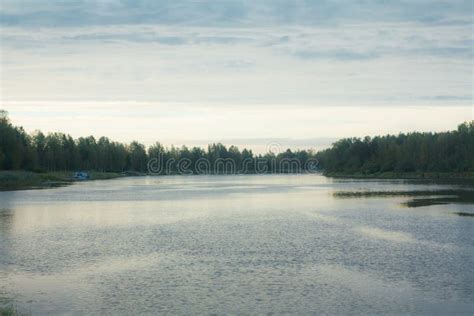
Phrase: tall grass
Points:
(10, 310)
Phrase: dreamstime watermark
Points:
(274, 162)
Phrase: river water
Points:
(238, 244)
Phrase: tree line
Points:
(413, 152)
(451, 151)
(61, 152)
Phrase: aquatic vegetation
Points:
(420, 198)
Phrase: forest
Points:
(451, 151)
(60, 152)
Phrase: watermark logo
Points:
(275, 161)
(273, 148)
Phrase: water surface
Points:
(238, 244)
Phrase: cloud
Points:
(155, 37)
(57, 13)
(451, 98)
(446, 51)
(336, 55)
(146, 37)
(238, 52)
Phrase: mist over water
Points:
(237, 244)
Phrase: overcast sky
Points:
(299, 73)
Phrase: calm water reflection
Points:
(236, 244)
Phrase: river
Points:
(238, 244)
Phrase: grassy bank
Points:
(10, 310)
(23, 180)
(403, 175)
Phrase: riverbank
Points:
(404, 175)
(26, 180)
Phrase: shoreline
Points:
(16, 180)
(403, 175)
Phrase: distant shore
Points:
(27, 180)
(403, 175)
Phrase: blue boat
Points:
(81, 175)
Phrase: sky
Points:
(296, 74)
